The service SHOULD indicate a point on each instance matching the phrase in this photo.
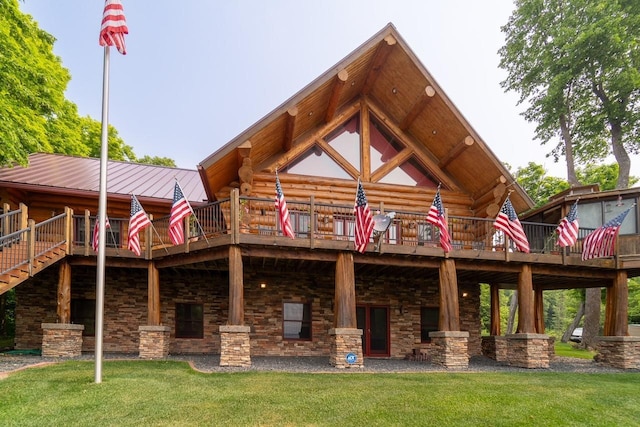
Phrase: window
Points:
(316, 162)
(594, 215)
(113, 232)
(189, 321)
(296, 321)
(428, 322)
(301, 222)
(346, 140)
(83, 312)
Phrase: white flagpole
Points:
(102, 213)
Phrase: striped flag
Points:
(436, 217)
(179, 210)
(96, 232)
(601, 242)
(568, 228)
(137, 221)
(508, 222)
(114, 26)
(283, 211)
(364, 220)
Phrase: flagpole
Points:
(102, 214)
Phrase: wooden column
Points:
(449, 310)
(495, 311)
(616, 310)
(345, 296)
(64, 293)
(538, 303)
(236, 297)
(526, 316)
(153, 295)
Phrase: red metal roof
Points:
(83, 174)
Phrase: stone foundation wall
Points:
(528, 350)
(61, 340)
(495, 347)
(154, 342)
(235, 346)
(619, 352)
(346, 348)
(450, 349)
(125, 308)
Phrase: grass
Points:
(571, 350)
(169, 393)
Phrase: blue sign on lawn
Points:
(351, 358)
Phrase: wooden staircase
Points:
(26, 269)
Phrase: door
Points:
(374, 322)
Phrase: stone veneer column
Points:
(154, 342)
(346, 348)
(528, 350)
(619, 352)
(61, 340)
(235, 346)
(495, 347)
(450, 348)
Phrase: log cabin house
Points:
(239, 288)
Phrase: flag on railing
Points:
(114, 26)
(179, 210)
(283, 211)
(601, 242)
(508, 222)
(96, 232)
(568, 228)
(364, 220)
(137, 221)
(437, 217)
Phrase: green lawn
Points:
(169, 393)
(570, 350)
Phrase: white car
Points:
(576, 335)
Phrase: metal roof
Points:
(58, 171)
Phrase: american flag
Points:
(436, 217)
(179, 210)
(96, 232)
(114, 26)
(364, 220)
(568, 228)
(283, 211)
(508, 222)
(601, 242)
(137, 221)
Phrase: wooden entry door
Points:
(374, 322)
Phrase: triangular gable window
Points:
(345, 139)
(316, 162)
(410, 173)
(383, 146)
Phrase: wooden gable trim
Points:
(336, 90)
(383, 51)
(423, 100)
(467, 142)
(337, 157)
(393, 163)
(422, 153)
(292, 113)
(365, 144)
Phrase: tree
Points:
(538, 186)
(577, 63)
(158, 161)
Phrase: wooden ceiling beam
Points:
(467, 142)
(383, 51)
(243, 150)
(292, 113)
(336, 90)
(423, 100)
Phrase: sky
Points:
(199, 72)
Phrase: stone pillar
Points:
(528, 350)
(61, 340)
(495, 347)
(154, 341)
(346, 348)
(235, 346)
(619, 352)
(450, 348)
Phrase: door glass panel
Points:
(378, 327)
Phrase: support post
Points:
(526, 323)
(64, 293)
(449, 312)
(153, 295)
(538, 303)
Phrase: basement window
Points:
(296, 321)
(83, 312)
(189, 320)
(428, 322)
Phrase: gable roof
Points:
(385, 71)
(73, 175)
